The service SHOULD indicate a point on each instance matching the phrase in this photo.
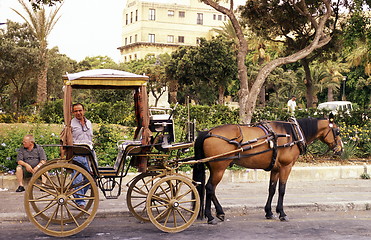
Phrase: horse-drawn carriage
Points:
(159, 194)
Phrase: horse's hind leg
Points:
(271, 191)
(219, 210)
(209, 195)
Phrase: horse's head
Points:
(330, 134)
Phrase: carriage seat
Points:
(85, 150)
(125, 148)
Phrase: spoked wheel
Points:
(173, 203)
(137, 194)
(52, 206)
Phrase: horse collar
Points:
(299, 135)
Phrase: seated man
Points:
(29, 159)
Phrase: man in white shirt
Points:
(82, 133)
(291, 105)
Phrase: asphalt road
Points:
(302, 225)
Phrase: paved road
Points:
(345, 225)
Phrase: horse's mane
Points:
(309, 127)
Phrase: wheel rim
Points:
(137, 194)
(173, 203)
(54, 210)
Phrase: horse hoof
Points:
(284, 219)
(212, 222)
(270, 216)
(221, 217)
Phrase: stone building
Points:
(153, 27)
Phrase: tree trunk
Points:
(261, 102)
(330, 95)
(308, 82)
(42, 79)
(42, 86)
(173, 91)
(221, 95)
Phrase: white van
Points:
(336, 106)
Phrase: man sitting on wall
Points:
(29, 159)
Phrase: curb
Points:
(230, 209)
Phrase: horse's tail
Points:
(199, 171)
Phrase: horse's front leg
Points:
(271, 191)
(281, 194)
(283, 176)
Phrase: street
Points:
(331, 225)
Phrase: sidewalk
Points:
(239, 194)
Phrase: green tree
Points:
(41, 24)
(158, 79)
(204, 70)
(357, 49)
(59, 64)
(310, 16)
(19, 65)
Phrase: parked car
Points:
(336, 106)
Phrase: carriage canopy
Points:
(107, 79)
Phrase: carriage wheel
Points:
(173, 203)
(51, 206)
(137, 194)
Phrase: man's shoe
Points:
(20, 189)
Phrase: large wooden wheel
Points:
(137, 194)
(173, 203)
(52, 207)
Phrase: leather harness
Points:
(270, 137)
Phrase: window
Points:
(151, 38)
(136, 38)
(136, 15)
(126, 41)
(170, 13)
(225, 18)
(181, 14)
(152, 14)
(135, 56)
(170, 38)
(125, 58)
(181, 39)
(130, 41)
(127, 19)
(131, 17)
(198, 40)
(200, 18)
(214, 16)
(220, 17)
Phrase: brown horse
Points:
(272, 146)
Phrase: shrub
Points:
(52, 112)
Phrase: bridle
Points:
(335, 133)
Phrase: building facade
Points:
(153, 27)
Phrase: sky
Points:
(86, 28)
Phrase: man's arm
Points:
(42, 157)
(26, 165)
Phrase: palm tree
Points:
(41, 25)
(333, 79)
(360, 55)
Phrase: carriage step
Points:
(112, 197)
